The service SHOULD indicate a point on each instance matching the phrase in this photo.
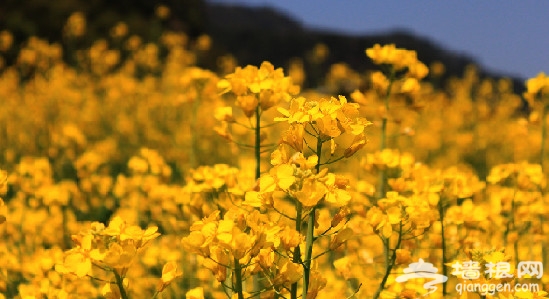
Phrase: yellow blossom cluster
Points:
(296, 177)
(535, 86)
(327, 118)
(262, 87)
(400, 60)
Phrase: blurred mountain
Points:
(254, 34)
(250, 34)
(45, 18)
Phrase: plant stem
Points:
(297, 251)
(257, 149)
(66, 232)
(311, 228)
(238, 278)
(391, 263)
(308, 251)
(120, 284)
(257, 142)
(443, 239)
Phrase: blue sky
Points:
(510, 37)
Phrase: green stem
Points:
(308, 251)
(297, 251)
(66, 233)
(444, 258)
(311, 228)
(120, 284)
(257, 142)
(257, 148)
(238, 278)
(391, 263)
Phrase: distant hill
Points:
(254, 34)
(251, 34)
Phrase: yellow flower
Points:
(343, 266)
(120, 256)
(329, 117)
(304, 163)
(6, 40)
(316, 284)
(403, 256)
(289, 273)
(170, 271)
(279, 156)
(111, 291)
(248, 104)
(379, 222)
(381, 55)
(495, 257)
(379, 81)
(224, 114)
(297, 112)
(394, 215)
(281, 176)
(410, 85)
(264, 87)
(535, 86)
(358, 142)
(137, 234)
(162, 12)
(418, 70)
(76, 25)
(196, 293)
(341, 237)
(290, 238)
(75, 263)
(389, 54)
(312, 191)
(336, 194)
(253, 199)
(294, 137)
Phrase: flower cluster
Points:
(535, 86)
(262, 87)
(113, 249)
(327, 119)
(399, 58)
(295, 176)
(242, 244)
